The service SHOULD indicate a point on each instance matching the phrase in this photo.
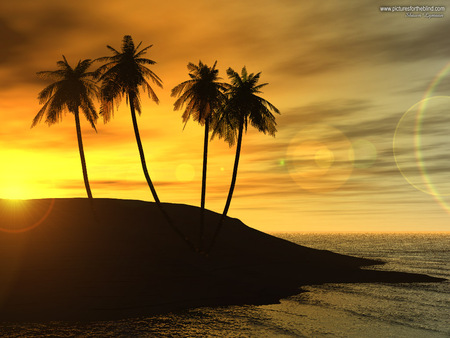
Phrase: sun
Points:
(14, 191)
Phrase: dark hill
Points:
(126, 261)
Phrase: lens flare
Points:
(363, 154)
(421, 145)
(324, 157)
(318, 158)
(19, 216)
(422, 141)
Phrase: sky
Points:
(364, 95)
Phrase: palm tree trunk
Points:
(233, 183)
(235, 169)
(83, 160)
(141, 150)
(149, 181)
(203, 197)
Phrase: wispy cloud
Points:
(346, 67)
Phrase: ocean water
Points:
(330, 310)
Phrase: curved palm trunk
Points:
(149, 181)
(233, 183)
(203, 197)
(141, 149)
(83, 160)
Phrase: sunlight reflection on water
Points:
(338, 310)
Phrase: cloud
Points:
(328, 112)
(33, 36)
(431, 85)
(382, 127)
(426, 41)
(341, 36)
(297, 38)
(309, 53)
(10, 42)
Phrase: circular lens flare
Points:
(422, 156)
(318, 158)
(324, 157)
(19, 216)
(421, 143)
(364, 153)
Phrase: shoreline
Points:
(128, 263)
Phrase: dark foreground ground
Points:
(124, 260)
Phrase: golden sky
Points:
(347, 79)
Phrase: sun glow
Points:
(14, 191)
(25, 174)
(19, 216)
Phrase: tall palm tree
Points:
(73, 89)
(243, 106)
(203, 94)
(124, 74)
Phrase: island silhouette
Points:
(88, 259)
(126, 262)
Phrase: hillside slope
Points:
(124, 260)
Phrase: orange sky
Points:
(342, 75)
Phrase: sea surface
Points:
(330, 310)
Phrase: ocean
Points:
(329, 310)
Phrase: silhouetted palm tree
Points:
(202, 94)
(73, 89)
(124, 74)
(243, 106)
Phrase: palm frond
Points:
(82, 68)
(145, 61)
(137, 47)
(148, 73)
(243, 105)
(177, 90)
(151, 93)
(201, 95)
(89, 114)
(51, 75)
(73, 88)
(225, 125)
(115, 52)
(194, 68)
(142, 51)
(124, 74)
(40, 114)
(46, 93)
(136, 103)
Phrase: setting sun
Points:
(233, 168)
(13, 187)
(14, 192)
(334, 134)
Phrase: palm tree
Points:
(73, 89)
(203, 94)
(243, 106)
(124, 74)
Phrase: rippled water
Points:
(333, 310)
